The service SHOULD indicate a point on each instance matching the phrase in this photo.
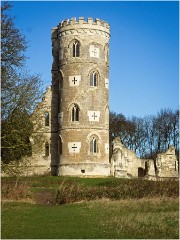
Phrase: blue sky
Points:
(144, 50)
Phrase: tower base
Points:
(84, 169)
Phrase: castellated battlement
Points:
(69, 25)
(81, 20)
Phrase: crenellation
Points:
(81, 20)
(97, 20)
(65, 22)
(90, 20)
(72, 20)
(105, 24)
(81, 23)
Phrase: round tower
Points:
(80, 95)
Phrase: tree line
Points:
(148, 135)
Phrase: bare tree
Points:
(20, 91)
(149, 135)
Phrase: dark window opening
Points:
(75, 113)
(76, 49)
(93, 79)
(93, 146)
(46, 119)
(60, 146)
(46, 149)
(141, 172)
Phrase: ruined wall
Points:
(40, 162)
(125, 164)
(167, 164)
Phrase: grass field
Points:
(131, 218)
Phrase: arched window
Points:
(46, 149)
(75, 113)
(60, 146)
(76, 49)
(94, 145)
(60, 81)
(93, 79)
(46, 115)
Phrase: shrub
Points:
(70, 191)
(16, 190)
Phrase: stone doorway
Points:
(141, 172)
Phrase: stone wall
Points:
(125, 163)
(167, 164)
(41, 137)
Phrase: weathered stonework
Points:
(125, 164)
(80, 111)
(167, 164)
(40, 162)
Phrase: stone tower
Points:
(80, 92)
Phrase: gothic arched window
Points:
(94, 145)
(60, 146)
(75, 113)
(93, 79)
(76, 49)
(60, 81)
(46, 115)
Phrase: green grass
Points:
(101, 219)
(128, 209)
(55, 181)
